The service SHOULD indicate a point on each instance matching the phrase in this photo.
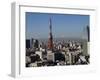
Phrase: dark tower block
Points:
(88, 33)
(50, 40)
(27, 43)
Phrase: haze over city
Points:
(63, 25)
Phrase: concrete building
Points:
(50, 56)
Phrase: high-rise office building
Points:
(27, 43)
(88, 33)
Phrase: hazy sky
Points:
(63, 25)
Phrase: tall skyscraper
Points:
(50, 40)
(88, 33)
(27, 43)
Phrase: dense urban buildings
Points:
(54, 51)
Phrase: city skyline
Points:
(63, 25)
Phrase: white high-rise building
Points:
(50, 56)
